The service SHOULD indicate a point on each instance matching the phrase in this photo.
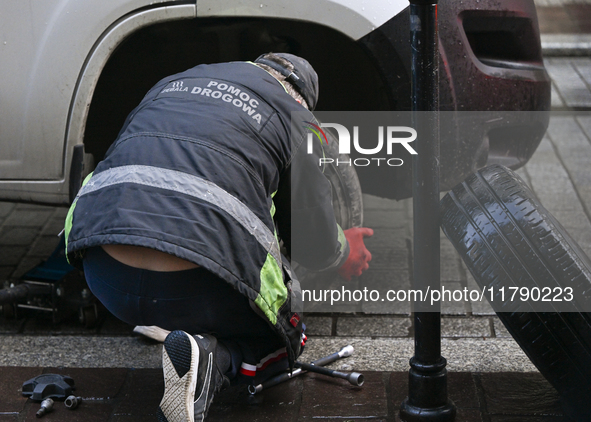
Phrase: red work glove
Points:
(359, 256)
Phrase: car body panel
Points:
(43, 63)
(352, 17)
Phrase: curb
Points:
(371, 354)
(566, 44)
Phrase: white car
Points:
(72, 70)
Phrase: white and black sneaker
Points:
(191, 377)
(210, 380)
(180, 364)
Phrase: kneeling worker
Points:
(177, 226)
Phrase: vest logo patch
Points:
(237, 97)
(176, 86)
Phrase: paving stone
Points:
(583, 64)
(113, 326)
(387, 283)
(395, 219)
(450, 265)
(28, 217)
(378, 354)
(398, 387)
(479, 308)
(354, 402)
(465, 327)
(461, 390)
(583, 238)
(5, 272)
(408, 206)
(573, 220)
(326, 307)
(384, 280)
(528, 419)
(468, 415)
(10, 325)
(500, 330)
(551, 182)
(387, 307)
(42, 324)
(389, 259)
(34, 207)
(6, 208)
(280, 403)
(485, 355)
(556, 101)
(11, 387)
(450, 306)
(318, 325)
(523, 173)
(372, 202)
(88, 411)
(571, 86)
(377, 326)
(94, 384)
(19, 236)
(79, 351)
(54, 226)
(330, 293)
(553, 17)
(584, 120)
(11, 255)
(25, 265)
(141, 394)
(519, 394)
(385, 238)
(60, 212)
(574, 149)
(352, 419)
(44, 246)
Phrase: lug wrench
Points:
(343, 353)
(354, 378)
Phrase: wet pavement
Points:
(118, 373)
(127, 395)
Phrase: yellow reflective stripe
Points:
(70, 216)
(341, 238)
(273, 292)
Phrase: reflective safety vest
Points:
(194, 173)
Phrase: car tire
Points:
(507, 238)
(347, 200)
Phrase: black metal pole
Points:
(427, 393)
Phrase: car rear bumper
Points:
(490, 62)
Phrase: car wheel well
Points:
(349, 79)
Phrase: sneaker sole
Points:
(180, 359)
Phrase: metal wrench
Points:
(343, 353)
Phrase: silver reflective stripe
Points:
(188, 184)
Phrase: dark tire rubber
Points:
(347, 201)
(507, 238)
